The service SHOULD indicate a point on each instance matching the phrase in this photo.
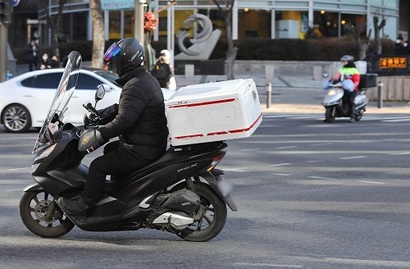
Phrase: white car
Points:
(25, 99)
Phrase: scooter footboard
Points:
(222, 188)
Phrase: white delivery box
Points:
(213, 112)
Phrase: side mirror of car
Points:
(325, 75)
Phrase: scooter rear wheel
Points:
(42, 216)
(213, 216)
(330, 114)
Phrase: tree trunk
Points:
(98, 34)
(364, 42)
(377, 28)
(55, 25)
(231, 53)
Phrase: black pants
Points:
(351, 96)
(117, 159)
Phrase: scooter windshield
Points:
(62, 96)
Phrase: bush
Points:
(327, 49)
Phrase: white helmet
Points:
(347, 58)
(166, 56)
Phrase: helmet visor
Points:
(111, 52)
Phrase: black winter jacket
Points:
(140, 120)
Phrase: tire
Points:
(16, 118)
(330, 114)
(359, 115)
(213, 217)
(33, 212)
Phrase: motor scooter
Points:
(337, 103)
(182, 192)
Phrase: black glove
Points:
(91, 140)
(108, 113)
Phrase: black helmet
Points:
(125, 54)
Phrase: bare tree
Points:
(232, 50)
(377, 28)
(363, 39)
(98, 34)
(55, 24)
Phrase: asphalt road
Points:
(310, 195)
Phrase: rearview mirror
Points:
(99, 94)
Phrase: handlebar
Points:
(94, 118)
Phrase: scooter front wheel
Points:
(359, 115)
(330, 114)
(42, 216)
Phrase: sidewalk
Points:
(293, 94)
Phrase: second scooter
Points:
(337, 104)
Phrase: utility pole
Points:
(6, 9)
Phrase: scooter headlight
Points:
(332, 92)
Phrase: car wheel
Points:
(16, 118)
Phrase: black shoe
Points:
(74, 207)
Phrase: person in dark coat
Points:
(162, 70)
(33, 54)
(139, 121)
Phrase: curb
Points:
(306, 109)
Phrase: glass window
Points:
(254, 23)
(129, 23)
(46, 81)
(86, 82)
(110, 76)
(115, 25)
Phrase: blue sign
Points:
(117, 4)
(15, 3)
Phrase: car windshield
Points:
(62, 96)
(108, 75)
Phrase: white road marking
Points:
(352, 157)
(400, 153)
(235, 169)
(316, 177)
(288, 147)
(19, 169)
(270, 265)
(321, 144)
(280, 164)
(314, 161)
(372, 182)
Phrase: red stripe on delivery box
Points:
(189, 136)
(247, 129)
(204, 103)
(222, 132)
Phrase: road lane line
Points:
(353, 157)
(288, 147)
(280, 164)
(265, 265)
(372, 182)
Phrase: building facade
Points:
(250, 19)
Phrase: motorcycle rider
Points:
(350, 77)
(139, 121)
